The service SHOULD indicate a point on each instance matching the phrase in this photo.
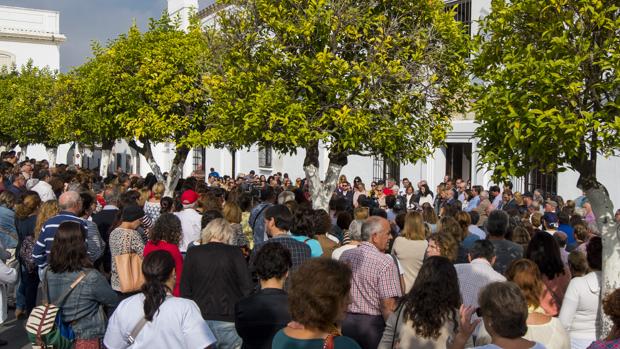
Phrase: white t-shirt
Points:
(190, 226)
(493, 346)
(177, 324)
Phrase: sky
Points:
(85, 21)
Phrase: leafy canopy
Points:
(549, 96)
(26, 98)
(149, 84)
(362, 77)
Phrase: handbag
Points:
(45, 326)
(129, 270)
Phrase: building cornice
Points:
(210, 10)
(11, 33)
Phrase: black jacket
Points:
(216, 277)
(259, 317)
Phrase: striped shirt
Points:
(42, 248)
(375, 278)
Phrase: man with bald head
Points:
(70, 205)
(375, 285)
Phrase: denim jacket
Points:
(82, 307)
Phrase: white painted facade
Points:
(30, 34)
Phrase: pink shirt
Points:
(176, 255)
(375, 278)
(553, 294)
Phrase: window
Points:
(548, 182)
(462, 12)
(264, 157)
(198, 158)
(6, 59)
(383, 169)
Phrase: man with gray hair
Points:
(70, 204)
(355, 235)
(375, 285)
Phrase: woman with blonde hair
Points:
(410, 247)
(232, 213)
(541, 328)
(152, 206)
(216, 277)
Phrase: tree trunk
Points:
(147, 151)
(603, 209)
(106, 156)
(321, 193)
(176, 170)
(22, 152)
(51, 155)
(77, 156)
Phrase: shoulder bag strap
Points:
(402, 286)
(258, 215)
(65, 294)
(139, 326)
(396, 330)
(46, 297)
(136, 330)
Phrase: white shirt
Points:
(338, 252)
(474, 229)
(7, 276)
(177, 324)
(190, 226)
(473, 277)
(552, 335)
(45, 191)
(580, 306)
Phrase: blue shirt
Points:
(315, 246)
(473, 203)
(570, 233)
(43, 247)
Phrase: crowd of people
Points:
(247, 262)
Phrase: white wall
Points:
(31, 34)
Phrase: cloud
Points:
(85, 21)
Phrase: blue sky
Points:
(84, 21)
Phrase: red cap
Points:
(189, 197)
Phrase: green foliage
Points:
(549, 97)
(146, 86)
(363, 77)
(26, 98)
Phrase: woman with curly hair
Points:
(442, 244)
(165, 235)
(611, 307)
(428, 315)
(315, 309)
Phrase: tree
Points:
(549, 97)
(82, 112)
(26, 101)
(359, 77)
(151, 83)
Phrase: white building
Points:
(29, 34)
